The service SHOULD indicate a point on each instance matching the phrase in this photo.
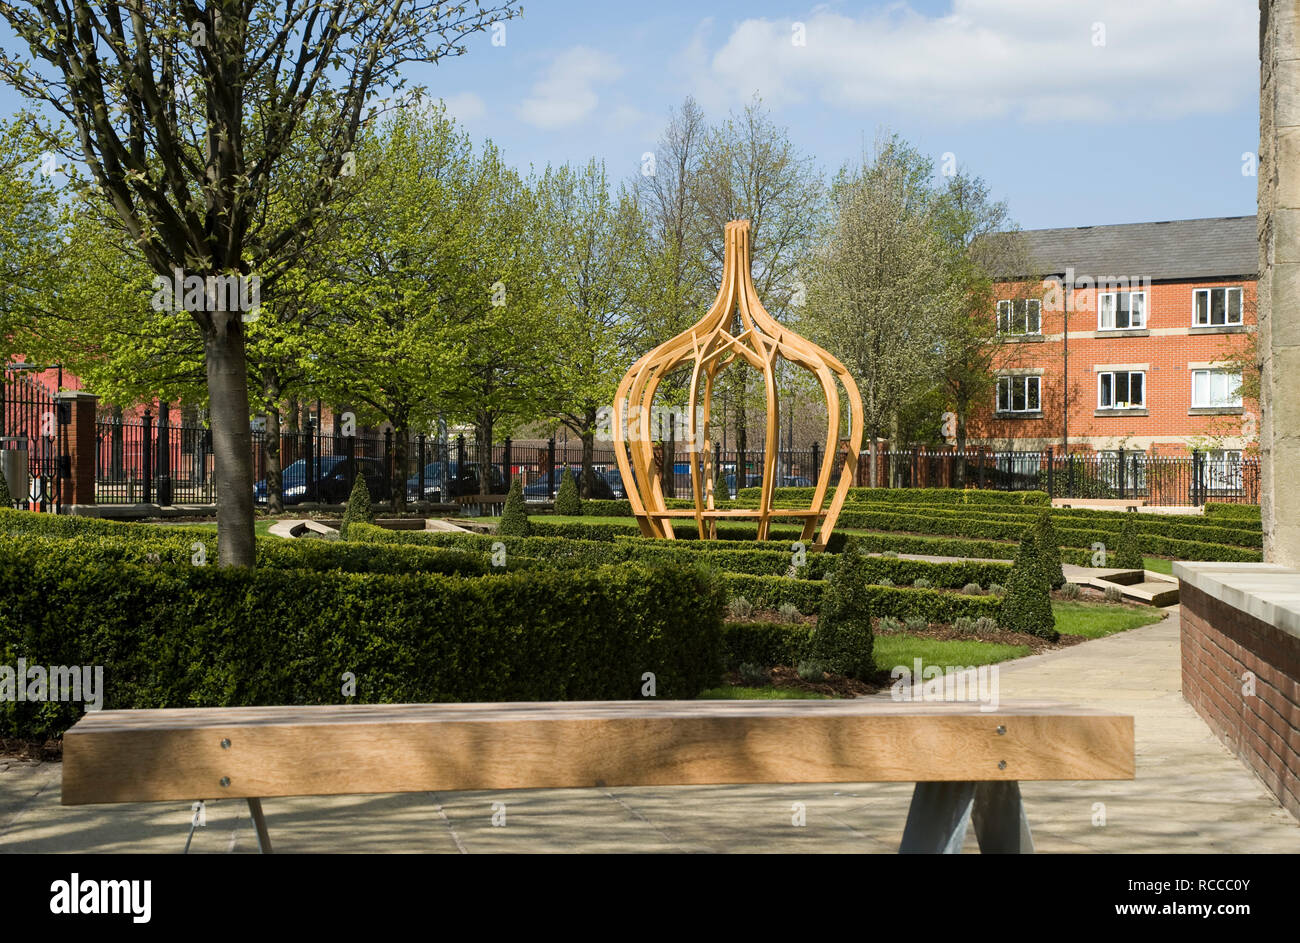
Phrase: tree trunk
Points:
(961, 443)
(893, 450)
(871, 462)
(401, 432)
(292, 431)
(232, 442)
(483, 444)
(588, 454)
(274, 477)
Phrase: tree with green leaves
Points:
(980, 244)
(879, 286)
(183, 118)
(593, 252)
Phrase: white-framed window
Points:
(1020, 394)
(1216, 388)
(1020, 316)
(1121, 389)
(1212, 307)
(1221, 470)
(1121, 310)
(1127, 468)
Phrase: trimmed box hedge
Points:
(186, 636)
(769, 592)
(907, 496)
(764, 643)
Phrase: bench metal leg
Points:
(259, 823)
(1000, 822)
(937, 819)
(941, 812)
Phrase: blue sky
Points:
(1077, 112)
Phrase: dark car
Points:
(544, 488)
(462, 483)
(331, 487)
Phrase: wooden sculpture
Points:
(711, 347)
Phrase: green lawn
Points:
(1096, 620)
(902, 649)
(1158, 565)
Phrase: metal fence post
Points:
(1196, 477)
(309, 460)
(1069, 472)
(1121, 473)
(816, 462)
(350, 456)
(419, 495)
(505, 462)
(1051, 475)
(460, 455)
(388, 457)
(146, 456)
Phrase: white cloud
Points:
(1021, 59)
(465, 106)
(567, 91)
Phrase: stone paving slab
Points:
(1191, 795)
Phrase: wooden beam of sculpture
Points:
(709, 347)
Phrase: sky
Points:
(1076, 112)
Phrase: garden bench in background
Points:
(964, 761)
(483, 505)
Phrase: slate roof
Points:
(1219, 247)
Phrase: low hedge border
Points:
(909, 496)
(186, 636)
(770, 592)
(764, 643)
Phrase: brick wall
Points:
(1164, 349)
(1220, 643)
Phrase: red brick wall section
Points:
(1219, 645)
(80, 488)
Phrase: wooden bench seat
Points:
(963, 760)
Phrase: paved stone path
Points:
(1190, 795)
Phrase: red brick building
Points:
(1127, 337)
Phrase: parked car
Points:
(462, 483)
(543, 488)
(332, 484)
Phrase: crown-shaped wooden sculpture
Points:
(711, 347)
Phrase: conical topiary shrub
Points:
(1028, 604)
(358, 509)
(842, 640)
(1128, 553)
(1049, 550)
(514, 516)
(721, 493)
(567, 501)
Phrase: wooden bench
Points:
(963, 761)
(486, 505)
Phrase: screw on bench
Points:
(225, 744)
(1002, 764)
(225, 780)
(1001, 730)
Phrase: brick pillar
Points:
(79, 488)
